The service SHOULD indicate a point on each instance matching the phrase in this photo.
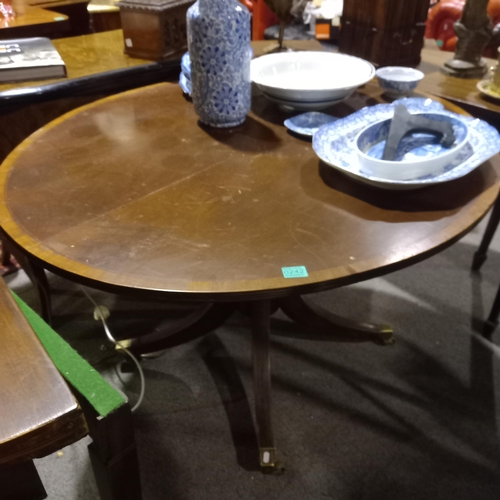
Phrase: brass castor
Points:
(277, 469)
(386, 336)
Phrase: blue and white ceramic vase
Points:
(219, 46)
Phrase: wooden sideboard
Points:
(34, 21)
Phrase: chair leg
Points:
(492, 322)
(113, 452)
(480, 255)
(36, 274)
(5, 261)
(21, 482)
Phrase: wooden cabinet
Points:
(385, 32)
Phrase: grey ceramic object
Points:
(219, 49)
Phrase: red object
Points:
(444, 14)
(262, 17)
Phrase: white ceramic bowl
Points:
(398, 81)
(310, 76)
(423, 154)
(292, 105)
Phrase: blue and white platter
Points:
(307, 124)
(334, 143)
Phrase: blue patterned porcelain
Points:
(220, 54)
(417, 154)
(398, 80)
(308, 123)
(186, 65)
(185, 83)
(415, 146)
(334, 144)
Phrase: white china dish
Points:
(419, 153)
(291, 105)
(334, 145)
(310, 76)
(398, 81)
(306, 124)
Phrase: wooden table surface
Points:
(34, 18)
(132, 192)
(87, 55)
(462, 91)
(31, 16)
(39, 413)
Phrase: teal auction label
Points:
(294, 272)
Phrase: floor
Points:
(416, 420)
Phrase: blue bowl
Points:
(398, 81)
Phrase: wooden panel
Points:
(385, 32)
(39, 415)
(400, 47)
(386, 14)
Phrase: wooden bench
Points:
(39, 413)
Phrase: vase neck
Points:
(210, 4)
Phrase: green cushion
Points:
(87, 381)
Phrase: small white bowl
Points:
(416, 146)
(310, 76)
(398, 81)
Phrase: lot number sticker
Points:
(294, 272)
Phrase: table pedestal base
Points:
(209, 316)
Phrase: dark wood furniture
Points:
(461, 91)
(132, 195)
(33, 21)
(385, 32)
(154, 29)
(76, 10)
(480, 255)
(40, 414)
(104, 15)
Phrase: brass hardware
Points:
(267, 457)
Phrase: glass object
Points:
(6, 10)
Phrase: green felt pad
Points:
(73, 367)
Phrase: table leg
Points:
(36, 274)
(492, 322)
(21, 481)
(5, 253)
(260, 311)
(341, 329)
(480, 255)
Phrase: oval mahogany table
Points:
(132, 195)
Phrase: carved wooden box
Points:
(154, 29)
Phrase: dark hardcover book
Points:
(30, 59)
